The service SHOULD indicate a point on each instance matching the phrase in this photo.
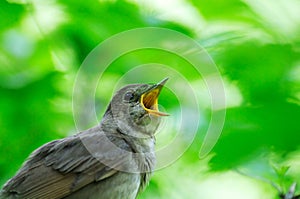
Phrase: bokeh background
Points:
(255, 45)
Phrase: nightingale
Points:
(113, 160)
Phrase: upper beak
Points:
(149, 99)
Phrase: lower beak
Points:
(149, 100)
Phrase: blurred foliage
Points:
(256, 46)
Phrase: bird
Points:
(113, 160)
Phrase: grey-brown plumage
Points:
(112, 160)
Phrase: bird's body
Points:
(110, 161)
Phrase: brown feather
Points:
(58, 169)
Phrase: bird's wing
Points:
(64, 166)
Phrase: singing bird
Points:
(113, 160)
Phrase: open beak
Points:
(149, 100)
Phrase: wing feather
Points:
(59, 168)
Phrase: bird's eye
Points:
(129, 96)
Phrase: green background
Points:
(255, 45)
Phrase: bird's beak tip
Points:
(162, 82)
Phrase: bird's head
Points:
(134, 109)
